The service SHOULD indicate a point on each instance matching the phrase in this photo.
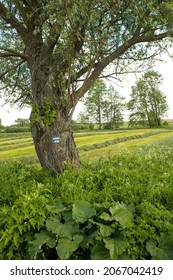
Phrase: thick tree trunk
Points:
(55, 145)
(50, 119)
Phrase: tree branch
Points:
(12, 20)
(11, 68)
(117, 53)
(10, 52)
(24, 15)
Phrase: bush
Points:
(16, 129)
(165, 123)
(79, 126)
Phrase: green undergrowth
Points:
(119, 208)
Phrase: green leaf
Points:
(16, 240)
(116, 247)
(67, 216)
(105, 230)
(44, 237)
(82, 211)
(99, 252)
(89, 240)
(122, 214)
(66, 247)
(156, 252)
(166, 240)
(54, 225)
(69, 229)
(105, 216)
(164, 250)
(61, 230)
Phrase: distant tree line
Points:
(20, 125)
(105, 107)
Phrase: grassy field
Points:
(91, 145)
(126, 146)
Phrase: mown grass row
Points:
(16, 145)
(87, 137)
(89, 145)
(120, 148)
(88, 140)
(120, 139)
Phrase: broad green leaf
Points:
(67, 216)
(89, 240)
(61, 230)
(44, 237)
(105, 216)
(54, 225)
(122, 214)
(82, 211)
(69, 229)
(116, 247)
(164, 250)
(99, 252)
(66, 247)
(105, 230)
(156, 252)
(166, 240)
(57, 207)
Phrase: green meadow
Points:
(91, 145)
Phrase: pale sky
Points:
(9, 115)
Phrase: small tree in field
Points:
(113, 106)
(94, 102)
(83, 117)
(22, 122)
(148, 104)
(52, 51)
(103, 106)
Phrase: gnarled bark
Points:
(53, 155)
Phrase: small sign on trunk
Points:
(55, 139)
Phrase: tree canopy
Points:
(94, 102)
(52, 51)
(22, 122)
(81, 38)
(104, 106)
(148, 103)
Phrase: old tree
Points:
(53, 50)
